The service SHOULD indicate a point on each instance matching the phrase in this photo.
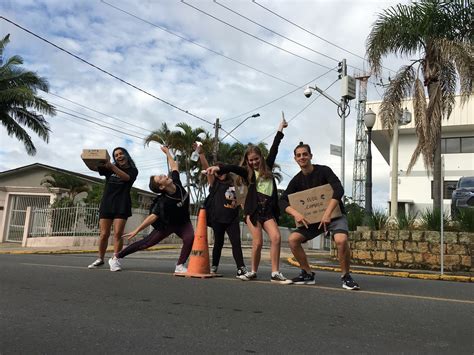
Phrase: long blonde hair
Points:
(263, 170)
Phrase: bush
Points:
(465, 218)
(377, 220)
(406, 221)
(355, 216)
(431, 219)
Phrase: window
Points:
(467, 145)
(447, 193)
(457, 145)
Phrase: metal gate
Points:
(16, 217)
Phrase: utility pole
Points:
(215, 149)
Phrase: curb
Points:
(68, 251)
(405, 274)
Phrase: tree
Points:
(73, 184)
(19, 103)
(440, 35)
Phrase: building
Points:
(21, 187)
(457, 140)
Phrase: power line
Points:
(311, 33)
(279, 34)
(278, 98)
(253, 36)
(304, 108)
(106, 72)
(197, 44)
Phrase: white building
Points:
(457, 134)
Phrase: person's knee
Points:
(104, 235)
(294, 240)
(341, 241)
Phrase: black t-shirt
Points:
(116, 198)
(223, 204)
(171, 209)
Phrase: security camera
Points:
(308, 92)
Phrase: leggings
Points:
(184, 231)
(233, 231)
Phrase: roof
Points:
(88, 178)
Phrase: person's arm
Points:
(173, 164)
(338, 193)
(285, 204)
(119, 172)
(276, 143)
(204, 163)
(236, 169)
(148, 221)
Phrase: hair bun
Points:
(301, 143)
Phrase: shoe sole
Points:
(94, 266)
(313, 282)
(351, 288)
(282, 282)
(243, 278)
(115, 270)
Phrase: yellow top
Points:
(264, 186)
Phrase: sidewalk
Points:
(318, 260)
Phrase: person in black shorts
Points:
(223, 216)
(169, 214)
(116, 204)
(313, 176)
(261, 204)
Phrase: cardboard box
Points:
(95, 157)
(313, 202)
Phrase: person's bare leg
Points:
(273, 232)
(119, 226)
(295, 241)
(257, 242)
(343, 252)
(104, 233)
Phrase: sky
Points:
(243, 58)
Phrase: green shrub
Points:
(355, 216)
(431, 219)
(377, 220)
(466, 219)
(406, 221)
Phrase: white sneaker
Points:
(96, 264)
(279, 278)
(180, 269)
(115, 264)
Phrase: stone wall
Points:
(412, 249)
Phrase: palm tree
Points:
(19, 103)
(73, 184)
(440, 35)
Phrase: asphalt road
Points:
(52, 304)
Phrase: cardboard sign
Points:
(312, 203)
(95, 157)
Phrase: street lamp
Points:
(369, 120)
(241, 123)
(404, 117)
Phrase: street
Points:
(53, 304)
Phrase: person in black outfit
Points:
(169, 213)
(223, 216)
(261, 204)
(116, 204)
(313, 176)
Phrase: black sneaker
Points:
(243, 274)
(304, 278)
(213, 269)
(348, 283)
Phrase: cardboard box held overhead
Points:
(313, 202)
(95, 157)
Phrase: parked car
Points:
(463, 195)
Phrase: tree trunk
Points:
(437, 177)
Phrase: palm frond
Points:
(14, 129)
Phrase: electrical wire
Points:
(278, 98)
(253, 36)
(197, 44)
(314, 34)
(105, 71)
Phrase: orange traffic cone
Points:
(199, 260)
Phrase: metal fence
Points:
(70, 221)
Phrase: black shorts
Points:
(337, 225)
(105, 215)
(264, 208)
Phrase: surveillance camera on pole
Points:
(308, 92)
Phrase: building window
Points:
(447, 192)
(457, 145)
(467, 145)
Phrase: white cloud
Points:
(188, 76)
